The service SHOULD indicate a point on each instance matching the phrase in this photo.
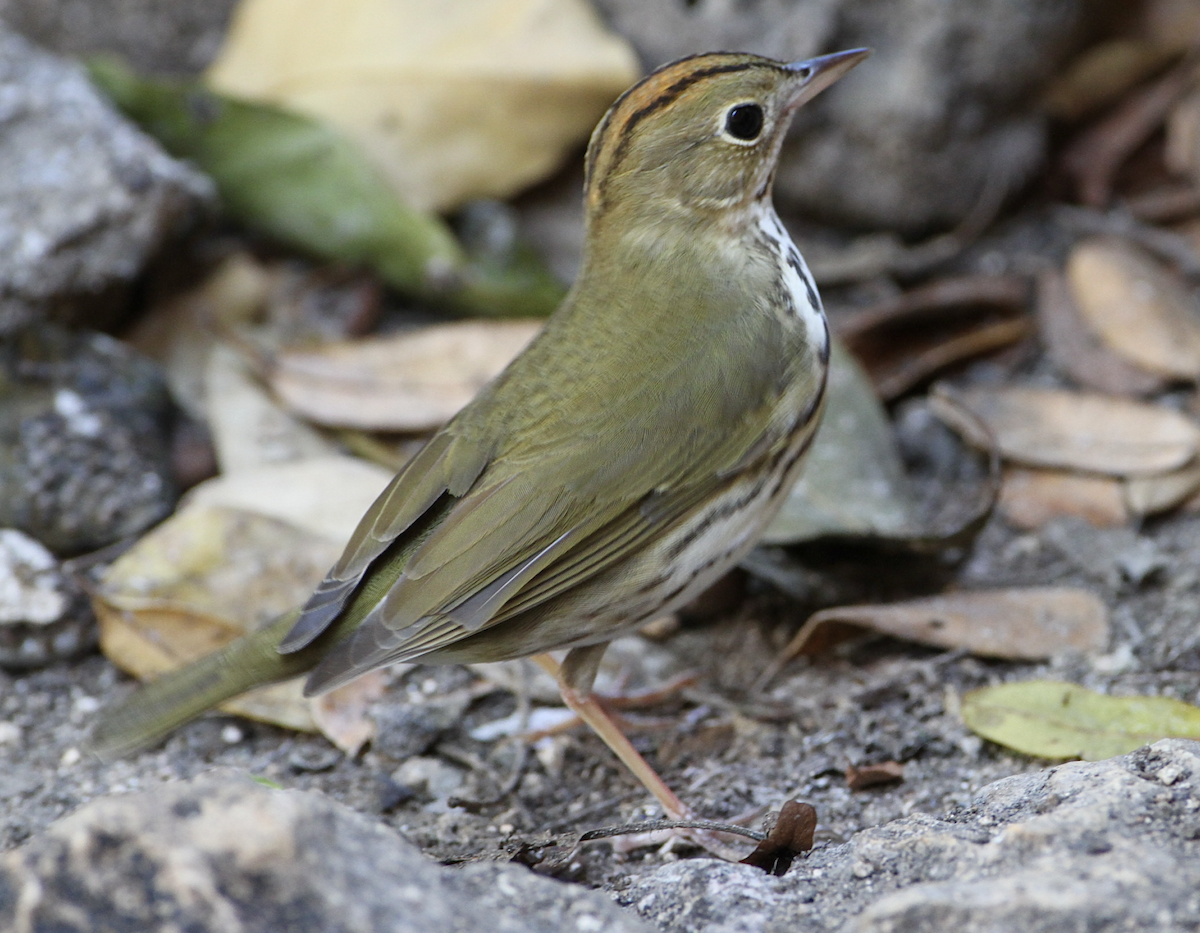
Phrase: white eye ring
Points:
(743, 123)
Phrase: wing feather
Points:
(447, 464)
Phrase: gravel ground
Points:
(725, 748)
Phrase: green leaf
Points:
(299, 181)
(1060, 720)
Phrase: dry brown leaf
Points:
(452, 101)
(1078, 351)
(955, 297)
(1096, 155)
(1166, 203)
(792, 835)
(917, 367)
(859, 777)
(1075, 430)
(1169, 24)
(904, 340)
(413, 381)
(1027, 624)
(198, 581)
(1102, 74)
(1150, 495)
(1030, 498)
(343, 715)
(1137, 307)
(1182, 151)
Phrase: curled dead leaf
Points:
(1029, 498)
(791, 836)
(902, 341)
(1075, 430)
(1032, 623)
(1137, 307)
(1078, 350)
(859, 777)
(413, 381)
(1095, 156)
(1102, 74)
(1150, 495)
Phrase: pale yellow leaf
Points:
(198, 581)
(1060, 720)
(453, 100)
(326, 496)
(249, 428)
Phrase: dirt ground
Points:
(727, 749)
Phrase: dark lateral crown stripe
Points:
(661, 97)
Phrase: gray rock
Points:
(85, 198)
(1111, 555)
(406, 729)
(1095, 846)
(224, 853)
(84, 454)
(44, 614)
(947, 105)
(156, 37)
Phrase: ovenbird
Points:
(629, 457)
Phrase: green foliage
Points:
(299, 181)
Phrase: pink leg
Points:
(575, 676)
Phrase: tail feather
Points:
(179, 696)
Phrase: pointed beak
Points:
(816, 74)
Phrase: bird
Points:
(629, 457)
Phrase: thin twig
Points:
(652, 826)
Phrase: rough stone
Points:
(406, 729)
(84, 451)
(44, 614)
(157, 37)
(85, 198)
(223, 853)
(946, 107)
(1096, 846)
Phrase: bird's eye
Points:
(745, 121)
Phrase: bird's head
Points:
(703, 133)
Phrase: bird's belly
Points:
(711, 542)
